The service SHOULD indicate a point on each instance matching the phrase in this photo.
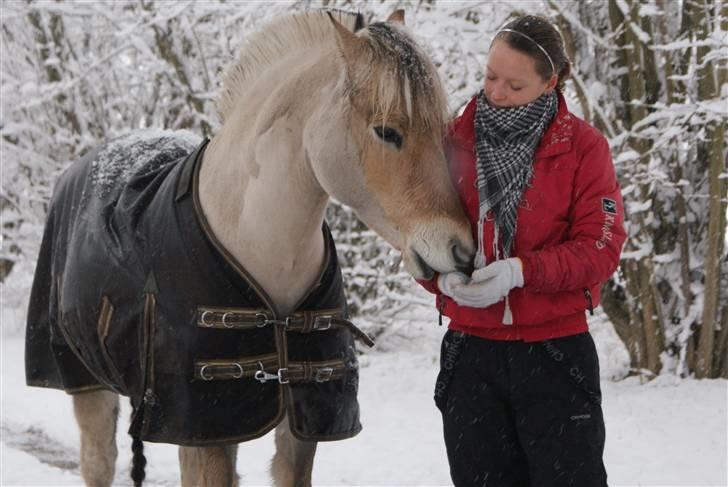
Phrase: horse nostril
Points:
(463, 258)
(427, 271)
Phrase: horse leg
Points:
(210, 466)
(96, 413)
(293, 461)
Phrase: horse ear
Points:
(397, 16)
(347, 41)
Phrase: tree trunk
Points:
(652, 80)
(613, 304)
(722, 346)
(681, 210)
(52, 47)
(715, 140)
(706, 343)
(616, 21)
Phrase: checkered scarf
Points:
(505, 141)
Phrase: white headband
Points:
(553, 68)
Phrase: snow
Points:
(627, 156)
(669, 432)
(641, 35)
(145, 149)
(649, 9)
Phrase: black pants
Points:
(519, 414)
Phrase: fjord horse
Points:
(317, 106)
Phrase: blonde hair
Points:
(398, 71)
(277, 39)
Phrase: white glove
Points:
(449, 282)
(490, 284)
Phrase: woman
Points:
(519, 382)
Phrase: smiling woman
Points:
(519, 382)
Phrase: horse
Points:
(318, 106)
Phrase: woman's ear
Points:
(552, 83)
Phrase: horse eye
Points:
(388, 134)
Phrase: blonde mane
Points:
(400, 76)
(277, 39)
(398, 73)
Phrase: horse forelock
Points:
(276, 40)
(404, 77)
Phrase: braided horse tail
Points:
(138, 460)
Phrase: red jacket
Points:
(569, 231)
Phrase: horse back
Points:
(91, 234)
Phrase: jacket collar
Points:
(556, 140)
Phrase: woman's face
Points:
(511, 79)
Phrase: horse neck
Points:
(259, 193)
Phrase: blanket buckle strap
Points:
(322, 322)
(263, 376)
(284, 323)
(237, 372)
(323, 374)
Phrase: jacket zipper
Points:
(440, 309)
(588, 296)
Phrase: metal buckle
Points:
(323, 374)
(225, 323)
(284, 323)
(240, 368)
(202, 372)
(262, 376)
(327, 325)
(263, 319)
(202, 319)
(211, 377)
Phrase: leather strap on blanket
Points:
(301, 322)
(264, 368)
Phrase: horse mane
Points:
(275, 40)
(406, 77)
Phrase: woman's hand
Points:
(450, 282)
(489, 284)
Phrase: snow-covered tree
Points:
(651, 74)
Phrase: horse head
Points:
(381, 150)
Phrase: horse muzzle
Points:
(443, 252)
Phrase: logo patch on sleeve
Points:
(609, 206)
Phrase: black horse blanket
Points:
(132, 293)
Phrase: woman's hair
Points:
(538, 31)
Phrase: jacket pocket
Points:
(103, 328)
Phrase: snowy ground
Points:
(667, 433)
